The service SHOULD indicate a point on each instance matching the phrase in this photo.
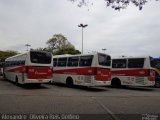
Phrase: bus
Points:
(31, 67)
(1, 68)
(132, 71)
(155, 62)
(85, 70)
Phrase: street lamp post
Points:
(27, 45)
(83, 26)
(104, 49)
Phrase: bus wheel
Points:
(16, 80)
(116, 83)
(157, 84)
(69, 82)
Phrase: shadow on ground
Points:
(84, 88)
(25, 86)
(134, 88)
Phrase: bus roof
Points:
(7, 59)
(69, 55)
(23, 54)
(131, 57)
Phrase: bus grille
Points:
(87, 79)
(140, 80)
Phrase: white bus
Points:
(132, 71)
(86, 70)
(1, 68)
(30, 67)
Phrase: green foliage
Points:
(67, 49)
(57, 41)
(6, 54)
(59, 44)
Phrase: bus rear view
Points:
(40, 68)
(103, 72)
(30, 67)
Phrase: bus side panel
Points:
(11, 73)
(133, 72)
(76, 71)
(88, 76)
(136, 77)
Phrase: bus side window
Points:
(11, 63)
(23, 62)
(19, 63)
(73, 61)
(15, 63)
(62, 62)
(86, 60)
(136, 63)
(114, 65)
(119, 63)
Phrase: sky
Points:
(128, 32)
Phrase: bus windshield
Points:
(40, 57)
(104, 60)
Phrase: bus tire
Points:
(69, 82)
(116, 83)
(157, 84)
(16, 80)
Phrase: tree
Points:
(6, 54)
(57, 41)
(67, 49)
(115, 4)
(59, 44)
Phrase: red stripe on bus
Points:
(34, 72)
(19, 69)
(101, 74)
(135, 72)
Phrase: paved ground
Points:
(57, 101)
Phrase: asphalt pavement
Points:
(56, 101)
